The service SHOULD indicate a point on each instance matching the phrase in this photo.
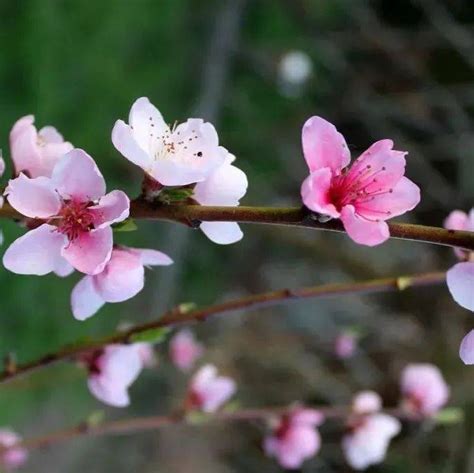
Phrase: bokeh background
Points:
(379, 69)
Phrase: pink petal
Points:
(460, 279)
(2, 166)
(153, 257)
(222, 233)
(310, 417)
(122, 277)
(466, 350)
(35, 198)
(37, 252)
(324, 146)
(456, 220)
(112, 207)
(108, 393)
(90, 252)
(184, 350)
(225, 186)
(145, 119)
(125, 142)
(76, 176)
(24, 146)
(363, 231)
(403, 197)
(51, 135)
(63, 268)
(50, 154)
(379, 167)
(217, 394)
(85, 300)
(315, 192)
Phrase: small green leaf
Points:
(127, 225)
(153, 335)
(197, 417)
(95, 418)
(403, 283)
(170, 195)
(186, 307)
(450, 415)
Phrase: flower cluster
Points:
(460, 278)
(62, 195)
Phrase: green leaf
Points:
(197, 417)
(95, 418)
(153, 335)
(450, 415)
(127, 225)
(170, 195)
(186, 307)
(403, 283)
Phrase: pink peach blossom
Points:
(185, 350)
(12, 455)
(112, 371)
(345, 345)
(77, 214)
(122, 278)
(369, 439)
(295, 438)
(459, 220)
(424, 390)
(147, 354)
(366, 402)
(225, 186)
(363, 195)
(466, 350)
(182, 155)
(208, 391)
(36, 153)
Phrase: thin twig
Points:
(179, 316)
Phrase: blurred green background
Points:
(380, 69)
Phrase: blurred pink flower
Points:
(36, 153)
(295, 439)
(179, 156)
(208, 391)
(369, 439)
(146, 353)
(112, 371)
(73, 198)
(459, 220)
(225, 186)
(185, 350)
(366, 402)
(345, 345)
(364, 195)
(466, 350)
(11, 456)
(122, 278)
(424, 390)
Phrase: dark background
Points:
(381, 69)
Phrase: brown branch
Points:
(180, 315)
(140, 424)
(301, 217)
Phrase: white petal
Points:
(222, 233)
(85, 300)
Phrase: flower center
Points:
(75, 219)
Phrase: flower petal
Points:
(403, 197)
(112, 207)
(24, 146)
(90, 252)
(460, 279)
(76, 176)
(225, 186)
(152, 257)
(122, 278)
(85, 300)
(108, 393)
(222, 233)
(125, 142)
(146, 120)
(34, 198)
(363, 231)
(456, 220)
(63, 268)
(37, 252)
(466, 350)
(324, 146)
(315, 192)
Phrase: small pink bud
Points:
(185, 350)
(11, 455)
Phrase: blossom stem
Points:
(140, 424)
(182, 315)
(193, 215)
